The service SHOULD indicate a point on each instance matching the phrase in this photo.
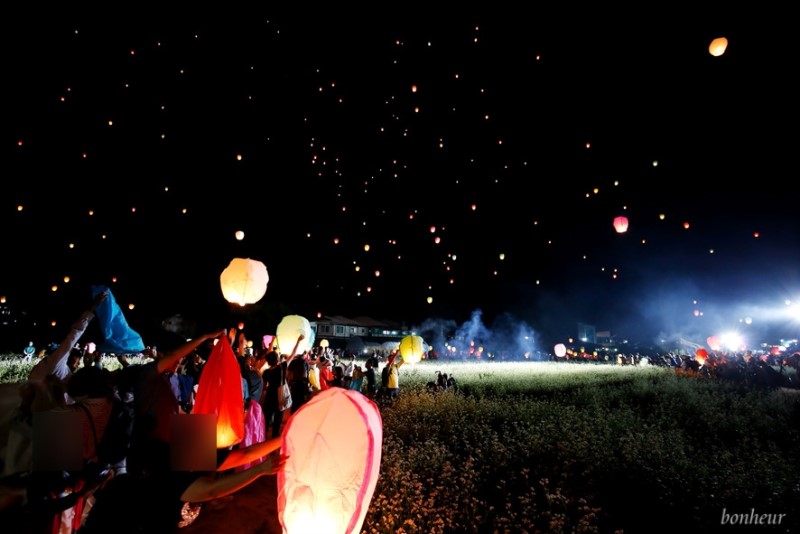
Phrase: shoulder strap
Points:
(91, 423)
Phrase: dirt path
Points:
(251, 510)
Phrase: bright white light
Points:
(732, 340)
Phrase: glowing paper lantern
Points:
(621, 224)
(411, 349)
(219, 392)
(718, 46)
(288, 331)
(334, 444)
(239, 235)
(244, 281)
(560, 349)
(324, 343)
(701, 355)
(713, 342)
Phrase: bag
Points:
(284, 393)
(112, 448)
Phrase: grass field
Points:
(569, 447)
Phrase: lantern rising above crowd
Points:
(244, 281)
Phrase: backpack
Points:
(385, 376)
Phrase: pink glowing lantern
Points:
(560, 349)
(713, 343)
(621, 224)
(334, 444)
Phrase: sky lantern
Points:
(621, 224)
(700, 355)
(219, 392)
(430, 300)
(239, 235)
(289, 329)
(718, 46)
(244, 281)
(318, 491)
(411, 349)
(713, 342)
(560, 349)
(324, 343)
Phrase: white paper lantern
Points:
(289, 330)
(244, 281)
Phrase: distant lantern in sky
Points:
(19, 208)
(686, 225)
(621, 224)
(335, 240)
(239, 235)
(662, 216)
(66, 279)
(54, 288)
(244, 281)
(718, 46)
(413, 88)
(433, 229)
(366, 248)
(3, 300)
(430, 300)
(131, 306)
(502, 256)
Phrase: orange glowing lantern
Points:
(219, 392)
(621, 224)
(411, 349)
(718, 46)
(244, 281)
(701, 355)
(312, 497)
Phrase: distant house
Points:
(359, 334)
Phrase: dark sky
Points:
(514, 137)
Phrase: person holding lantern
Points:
(274, 375)
(393, 385)
(155, 403)
(175, 498)
(55, 363)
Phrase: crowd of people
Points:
(123, 420)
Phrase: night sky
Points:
(481, 158)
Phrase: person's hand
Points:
(215, 334)
(301, 337)
(273, 463)
(98, 299)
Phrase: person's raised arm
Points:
(55, 362)
(207, 488)
(300, 338)
(172, 357)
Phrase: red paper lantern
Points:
(621, 224)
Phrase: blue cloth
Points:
(119, 338)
